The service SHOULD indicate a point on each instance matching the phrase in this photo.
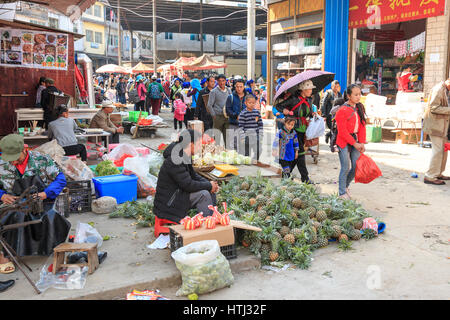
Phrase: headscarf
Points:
(195, 84)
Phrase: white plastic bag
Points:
(316, 128)
(75, 169)
(71, 278)
(156, 119)
(203, 268)
(52, 148)
(155, 160)
(140, 166)
(121, 149)
(85, 233)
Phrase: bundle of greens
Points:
(106, 168)
(141, 211)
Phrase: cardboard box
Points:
(405, 136)
(223, 234)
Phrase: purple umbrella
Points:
(320, 79)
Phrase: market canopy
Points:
(142, 68)
(70, 8)
(184, 17)
(112, 68)
(204, 62)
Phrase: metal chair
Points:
(28, 202)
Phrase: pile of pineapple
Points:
(295, 219)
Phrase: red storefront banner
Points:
(377, 12)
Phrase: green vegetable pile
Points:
(206, 277)
(141, 211)
(106, 168)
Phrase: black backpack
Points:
(334, 130)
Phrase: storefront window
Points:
(390, 60)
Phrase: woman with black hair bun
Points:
(351, 137)
(179, 187)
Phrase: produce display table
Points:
(247, 171)
(30, 114)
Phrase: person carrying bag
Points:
(351, 136)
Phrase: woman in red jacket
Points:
(351, 126)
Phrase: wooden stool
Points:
(59, 259)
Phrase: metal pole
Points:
(119, 50)
(201, 27)
(154, 36)
(131, 49)
(251, 38)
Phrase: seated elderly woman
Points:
(20, 169)
(63, 130)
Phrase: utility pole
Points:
(251, 21)
(154, 37)
(201, 27)
(119, 32)
(131, 49)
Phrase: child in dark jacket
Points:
(285, 147)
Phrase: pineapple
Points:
(296, 231)
(311, 212)
(355, 234)
(242, 194)
(290, 238)
(262, 214)
(273, 256)
(316, 224)
(284, 230)
(261, 200)
(313, 237)
(327, 208)
(294, 215)
(297, 203)
(283, 188)
(343, 237)
(358, 224)
(277, 235)
(290, 196)
(322, 242)
(321, 215)
(265, 249)
(252, 201)
(336, 231)
(245, 186)
(268, 219)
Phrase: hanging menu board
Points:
(33, 49)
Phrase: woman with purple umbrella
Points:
(300, 106)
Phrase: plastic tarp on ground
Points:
(205, 62)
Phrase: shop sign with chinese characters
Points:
(372, 12)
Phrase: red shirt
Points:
(346, 119)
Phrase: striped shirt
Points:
(250, 121)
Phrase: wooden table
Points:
(30, 114)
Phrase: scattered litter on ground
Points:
(145, 295)
(162, 242)
(327, 274)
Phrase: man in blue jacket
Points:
(235, 104)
